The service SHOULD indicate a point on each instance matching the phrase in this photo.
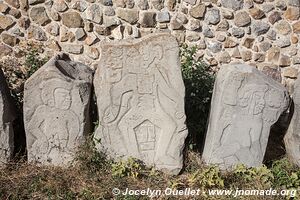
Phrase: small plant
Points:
(261, 174)
(131, 167)
(285, 174)
(33, 62)
(207, 178)
(198, 80)
(90, 158)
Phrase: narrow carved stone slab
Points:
(8, 115)
(56, 110)
(140, 98)
(292, 137)
(245, 104)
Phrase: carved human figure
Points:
(248, 123)
(139, 85)
(53, 124)
(246, 103)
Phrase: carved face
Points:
(114, 58)
(62, 98)
(252, 98)
(114, 75)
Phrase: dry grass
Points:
(91, 177)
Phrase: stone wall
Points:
(264, 33)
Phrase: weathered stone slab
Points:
(140, 98)
(292, 137)
(8, 115)
(245, 104)
(56, 110)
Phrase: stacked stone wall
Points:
(264, 33)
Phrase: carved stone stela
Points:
(140, 98)
(245, 104)
(56, 110)
(292, 137)
(7, 116)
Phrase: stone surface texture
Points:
(56, 110)
(193, 22)
(8, 115)
(245, 104)
(291, 139)
(140, 96)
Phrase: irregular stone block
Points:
(245, 104)
(140, 96)
(56, 110)
(291, 139)
(8, 115)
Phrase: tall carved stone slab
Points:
(140, 98)
(56, 110)
(292, 137)
(245, 104)
(7, 116)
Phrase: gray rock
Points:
(79, 33)
(214, 46)
(163, 16)
(192, 2)
(56, 110)
(109, 11)
(260, 27)
(242, 19)
(142, 4)
(267, 7)
(53, 29)
(193, 24)
(177, 21)
(233, 4)
(212, 16)
(135, 85)
(147, 19)
(198, 11)
(72, 48)
(283, 41)
(272, 35)
(106, 2)
(207, 32)
(60, 5)
(6, 22)
(8, 115)
(238, 32)
(109, 21)
(79, 5)
(72, 19)
(265, 46)
(223, 26)
(158, 4)
(33, 2)
(129, 15)
(94, 13)
(291, 138)
(39, 15)
(245, 104)
(36, 33)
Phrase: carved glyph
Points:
(292, 137)
(7, 116)
(140, 98)
(56, 110)
(245, 104)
